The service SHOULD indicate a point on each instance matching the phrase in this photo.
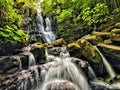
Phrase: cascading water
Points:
(19, 61)
(30, 76)
(45, 30)
(63, 69)
(108, 66)
(101, 85)
(91, 73)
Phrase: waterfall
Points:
(30, 76)
(44, 28)
(64, 69)
(46, 32)
(19, 61)
(108, 66)
(91, 73)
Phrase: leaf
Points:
(15, 37)
(4, 34)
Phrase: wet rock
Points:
(115, 35)
(117, 25)
(8, 65)
(74, 50)
(38, 50)
(88, 51)
(111, 50)
(60, 85)
(112, 53)
(93, 39)
(103, 35)
(9, 49)
(59, 42)
(107, 41)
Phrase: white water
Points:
(108, 66)
(64, 69)
(44, 26)
(45, 31)
(91, 73)
(19, 61)
(30, 76)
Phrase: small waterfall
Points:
(19, 61)
(46, 32)
(32, 61)
(23, 79)
(91, 73)
(108, 67)
(29, 78)
(44, 26)
(64, 69)
(64, 53)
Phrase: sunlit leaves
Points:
(65, 14)
(98, 14)
(12, 34)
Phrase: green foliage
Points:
(29, 3)
(47, 6)
(11, 18)
(98, 14)
(64, 15)
(12, 34)
(116, 14)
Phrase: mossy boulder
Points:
(117, 25)
(93, 39)
(107, 41)
(59, 42)
(103, 35)
(38, 50)
(111, 50)
(115, 35)
(112, 53)
(74, 50)
(88, 51)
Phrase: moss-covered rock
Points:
(59, 42)
(88, 51)
(107, 41)
(115, 35)
(93, 39)
(112, 53)
(117, 25)
(38, 50)
(74, 50)
(103, 35)
(111, 50)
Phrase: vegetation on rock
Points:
(10, 20)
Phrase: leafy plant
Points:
(12, 34)
(98, 14)
(64, 15)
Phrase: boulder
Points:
(111, 50)
(112, 53)
(93, 39)
(103, 35)
(117, 25)
(74, 50)
(8, 65)
(107, 41)
(88, 51)
(59, 42)
(59, 85)
(115, 35)
(38, 50)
